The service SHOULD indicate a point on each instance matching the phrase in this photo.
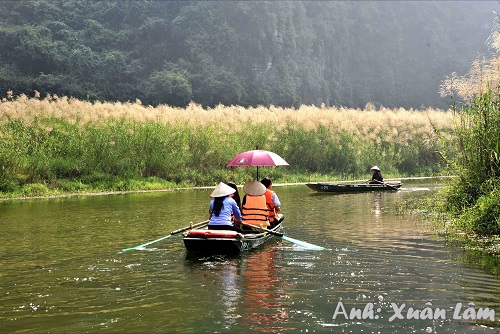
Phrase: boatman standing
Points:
(273, 203)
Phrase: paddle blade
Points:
(303, 243)
(131, 248)
(147, 243)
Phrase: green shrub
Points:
(473, 198)
(483, 218)
(35, 189)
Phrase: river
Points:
(63, 271)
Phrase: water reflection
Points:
(377, 206)
(252, 290)
(264, 292)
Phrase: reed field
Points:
(60, 144)
(473, 200)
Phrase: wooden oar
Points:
(168, 236)
(282, 236)
(385, 184)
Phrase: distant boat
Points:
(354, 188)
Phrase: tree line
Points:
(246, 53)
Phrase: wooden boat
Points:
(354, 188)
(226, 241)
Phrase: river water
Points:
(63, 271)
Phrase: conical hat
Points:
(375, 168)
(254, 188)
(222, 190)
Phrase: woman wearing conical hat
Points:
(377, 175)
(222, 207)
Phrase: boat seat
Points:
(204, 233)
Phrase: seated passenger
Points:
(236, 195)
(254, 208)
(273, 203)
(222, 207)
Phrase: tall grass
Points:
(73, 145)
(474, 198)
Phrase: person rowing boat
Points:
(377, 175)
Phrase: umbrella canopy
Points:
(257, 158)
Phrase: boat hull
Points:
(353, 188)
(194, 242)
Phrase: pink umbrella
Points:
(257, 158)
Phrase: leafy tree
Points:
(240, 52)
(169, 87)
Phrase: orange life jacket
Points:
(254, 211)
(270, 204)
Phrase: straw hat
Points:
(254, 188)
(222, 190)
(375, 168)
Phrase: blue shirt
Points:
(275, 199)
(229, 207)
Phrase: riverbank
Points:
(474, 242)
(436, 220)
(178, 188)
